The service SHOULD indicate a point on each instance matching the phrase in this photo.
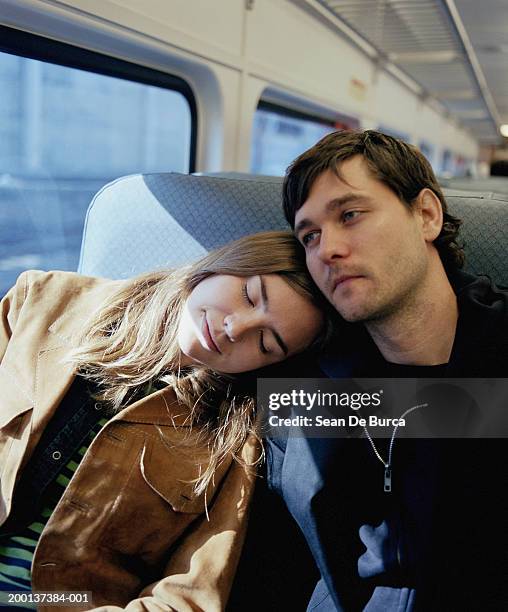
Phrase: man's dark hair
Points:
(499, 167)
(400, 166)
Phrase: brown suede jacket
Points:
(129, 504)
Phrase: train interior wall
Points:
(233, 54)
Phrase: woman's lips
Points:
(207, 334)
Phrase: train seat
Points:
(142, 222)
(496, 184)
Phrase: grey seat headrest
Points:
(143, 222)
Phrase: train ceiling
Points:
(453, 51)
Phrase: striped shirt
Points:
(17, 551)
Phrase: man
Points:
(384, 250)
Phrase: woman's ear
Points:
(428, 206)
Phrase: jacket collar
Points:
(37, 381)
(160, 407)
(481, 332)
(53, 376)
(66, 329)
(43, 385)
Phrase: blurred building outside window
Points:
(65, 133)
(394, 133)
(279, 135)
(429, 151)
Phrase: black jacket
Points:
(481, 340)
(440, 542)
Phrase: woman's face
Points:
(234, 324)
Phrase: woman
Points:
(121, 425)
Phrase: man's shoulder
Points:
(483, 306)
(479, 285)
(481, 339)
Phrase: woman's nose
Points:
(237, 325)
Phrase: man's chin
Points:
(357, 313)
(355, 318)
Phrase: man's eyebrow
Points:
(264, 299)
(332, 205)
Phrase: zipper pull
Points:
(388, 479)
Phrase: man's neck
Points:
(422, 332)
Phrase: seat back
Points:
(484, 231)
(496, 184)
(143, 222)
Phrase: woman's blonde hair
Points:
(131, 341)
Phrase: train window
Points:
(447, 169)
(395, 133)
(460, 166)
(428, 150)
(279, 135)
(68, 126)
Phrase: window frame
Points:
(34, 46)
(284, 111)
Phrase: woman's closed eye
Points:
(246, 295)
(262, 346)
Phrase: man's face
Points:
(365, 248)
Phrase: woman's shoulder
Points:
(60, 278)
(38, 284)
(56, 295)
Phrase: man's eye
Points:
(349, 215)
(246, 295)
(308, 238)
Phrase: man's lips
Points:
(342, 280)
(207, 333)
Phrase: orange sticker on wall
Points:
(357, 89)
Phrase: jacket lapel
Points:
(53, 375)
(35, 377)
(159, 408)
(43, 385)
(309, 464)
(15, 398)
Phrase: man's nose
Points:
(238, 325)
(333, 245)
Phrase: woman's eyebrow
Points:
(264, 299)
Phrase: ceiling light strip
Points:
(475, 64)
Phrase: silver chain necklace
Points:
(387, 483)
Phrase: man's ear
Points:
(429, 208)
